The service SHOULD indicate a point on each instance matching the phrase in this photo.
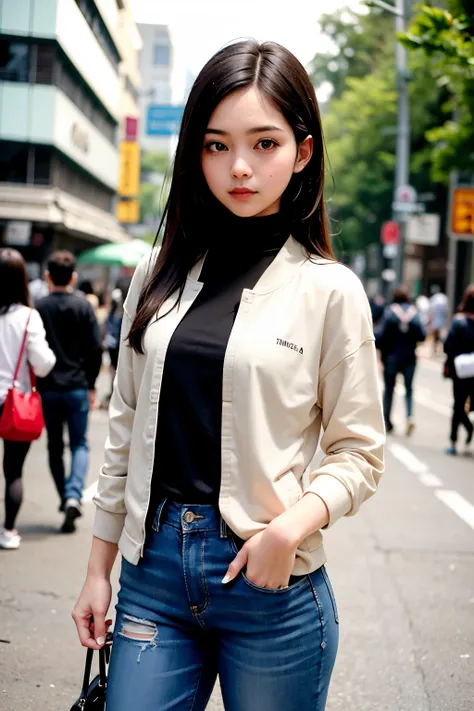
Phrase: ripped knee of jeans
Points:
(143, 632)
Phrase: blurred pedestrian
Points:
(113, 324)
(37, 289)
(439, 312)
(241, 339)
(422, 303)
(460, 342)
(86, 290)
(377, 308)
(397, 338)
(69, 391)
(17, 319)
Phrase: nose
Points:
(241, 169)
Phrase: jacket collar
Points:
(291, 256)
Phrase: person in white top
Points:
(15, 308)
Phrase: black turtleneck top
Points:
(187, 466)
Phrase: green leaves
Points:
(446, 39)
(360, 124)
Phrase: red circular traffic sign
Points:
(390, 233)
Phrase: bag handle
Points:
(104, 654)
(22, 350)
(87, 673)
(104, 658)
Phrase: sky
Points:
(200, 27)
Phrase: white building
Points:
(156, 64)
(68, 75)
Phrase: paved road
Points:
(403, 572)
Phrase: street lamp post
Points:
(402, 171)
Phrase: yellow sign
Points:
(462, 214)
(128, 211)
(129, 169)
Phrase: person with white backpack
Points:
(397, 337)
(459, 348)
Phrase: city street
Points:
(403, 573)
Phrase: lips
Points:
(241, 192)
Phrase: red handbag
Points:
(22, 416)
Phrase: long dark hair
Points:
(467, 306)
(13, 280)
(280, 76)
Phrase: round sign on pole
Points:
(390, 233)
(406, 193)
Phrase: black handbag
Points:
(93, 692)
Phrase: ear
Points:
(305, 151)
(74, 279)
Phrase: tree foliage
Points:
(360, 123)
(358, 45)
(153, 191)
(155, 162)
(446, 38)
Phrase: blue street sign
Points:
(163, 119)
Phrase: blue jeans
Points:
(391, 369)
(178, 626)
(71, 408)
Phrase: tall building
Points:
(156, 64)
(68, 76)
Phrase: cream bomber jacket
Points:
(300, 360)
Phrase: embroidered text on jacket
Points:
(287, 344)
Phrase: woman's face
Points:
(250, 153)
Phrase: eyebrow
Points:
(257, 129)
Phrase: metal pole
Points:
(453, 250)
(402, 173)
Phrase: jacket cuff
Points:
(334, 494)
(108, 526)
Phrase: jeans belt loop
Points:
(158, 515)
(224, 529)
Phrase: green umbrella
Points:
(127, 254)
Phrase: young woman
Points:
(460, 340)
(16, 316)
(242, 339)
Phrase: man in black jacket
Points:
(68, 392)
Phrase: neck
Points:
(60, 289)
(247, 234)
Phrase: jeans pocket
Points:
(294, 582)
(330, 592)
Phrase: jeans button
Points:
(189, 516)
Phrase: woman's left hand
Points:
(269, 557)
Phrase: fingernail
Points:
(100, 641)
(227, 578)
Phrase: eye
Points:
(215, 147)
(267, 144)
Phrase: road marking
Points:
(454, 501)
(431, 480)
(90, 492)
(407, 458)
(457, 503)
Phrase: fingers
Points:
(84, 626)
(100, 628)
(91, 627)
(239, 562)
